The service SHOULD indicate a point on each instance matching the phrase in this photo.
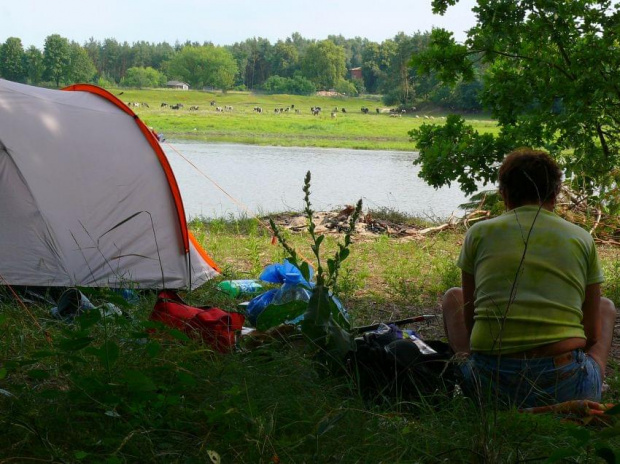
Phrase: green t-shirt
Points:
(548, 288)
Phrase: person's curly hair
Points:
(529, 176)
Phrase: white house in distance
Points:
(177, 85)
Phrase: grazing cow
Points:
(315, 111)
(276, 110)
(343, 110)
(193, 108)
(258, 109)
(335, 110)
(364, 110)
(219, 109)
(378, 110)
(292, 107)
(228, 108)
(297, 111)
(175, 107)
(163, 105)
(146, 105)
(334, 114)
(212, 102)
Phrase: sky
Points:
(223, 22)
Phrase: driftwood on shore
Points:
(338, 222)
(605, 228)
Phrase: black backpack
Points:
(387, 366)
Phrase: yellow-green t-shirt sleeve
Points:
(595, 271)
(466, 258)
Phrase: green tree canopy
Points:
(375, 62)
(285, 59)
(551, 83)
(81, 68)
(33, 62)
(143, 77)
(297, 85)
(258, 65)
(12, 60)
(113, 59)
(205, 65)
(399, 84)
(93, 48)
(346, 88)
(324, 64)
(221, 70)
(56, 58)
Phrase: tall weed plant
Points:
(323, 323)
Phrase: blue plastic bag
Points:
(258, 304)
(276, 273)
(279, 306)
(294, 288)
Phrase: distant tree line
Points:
(295, 65)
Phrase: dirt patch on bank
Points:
(338, 222)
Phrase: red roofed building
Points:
(356, 73)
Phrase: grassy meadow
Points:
(112, 391)
(243, 125)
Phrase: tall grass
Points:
(113, 391)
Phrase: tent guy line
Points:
(233, 199)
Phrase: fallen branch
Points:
(607, 242)
(598, 220)
(428, 230)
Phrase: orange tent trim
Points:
(203, 253)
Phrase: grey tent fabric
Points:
(84, 198)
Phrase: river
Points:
(270, 179)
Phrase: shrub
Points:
(359, 86)
(346, 88)
(297, 85)
(140, 77)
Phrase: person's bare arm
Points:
(469, 286)
(592, 314)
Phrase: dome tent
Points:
(87, 196)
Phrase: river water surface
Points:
(270, 179)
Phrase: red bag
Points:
(215, 326)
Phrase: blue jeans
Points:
(526, 383)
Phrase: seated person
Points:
(529, 318)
